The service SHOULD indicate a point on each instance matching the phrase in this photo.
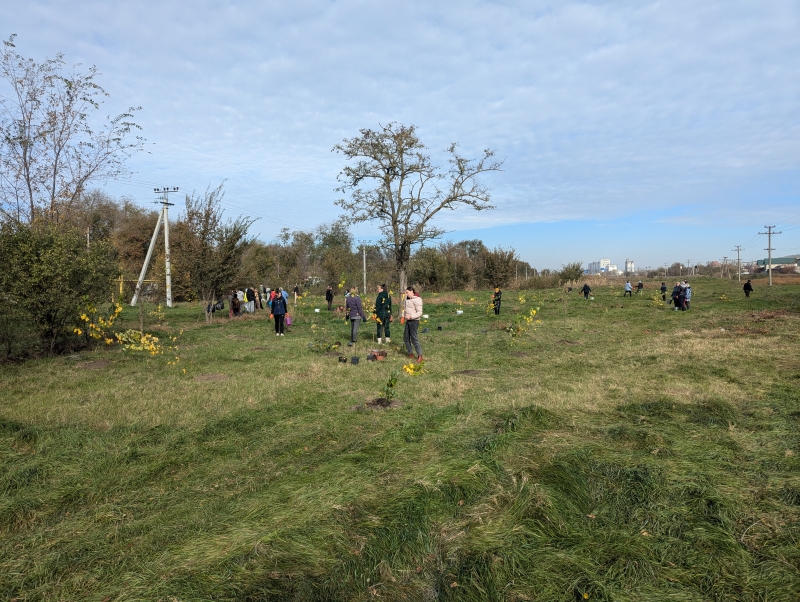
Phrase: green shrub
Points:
(48, 274)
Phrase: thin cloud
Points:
(600, 109)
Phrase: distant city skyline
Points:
(656, 131)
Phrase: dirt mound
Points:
(379, 403)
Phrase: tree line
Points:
(64, 241)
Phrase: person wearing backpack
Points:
(279, 312)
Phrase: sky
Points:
(654, 131)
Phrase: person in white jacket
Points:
(412, 312)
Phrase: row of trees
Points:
(53, 269)
(64, 243)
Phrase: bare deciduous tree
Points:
(208, 249)
(50, 147)
(394, 183)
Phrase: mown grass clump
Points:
(617, 451)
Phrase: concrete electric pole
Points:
(162, 216)
(739, 250)
(364, 258)
(769, 248)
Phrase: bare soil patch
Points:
(750, 331)
(94, 364)
(211, 377)
(379, 403)
(566, 342)
(768, 314)
(468, 372)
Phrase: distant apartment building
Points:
(604, 266)
(629, 267)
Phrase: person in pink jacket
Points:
(412, 312)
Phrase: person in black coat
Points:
(675, 292)
(497, 298)
(680, 302)
(663, 291)
(383, 313)
(747, 288)
(586, 290)
(329, 297)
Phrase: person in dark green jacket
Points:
(383, 313)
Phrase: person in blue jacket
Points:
(628, 289)
(279, 311)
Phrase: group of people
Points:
(383, 316)
(248, 300)
(629, 288)
(681, 297)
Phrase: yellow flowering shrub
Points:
(521, 325)
(95, 324)
(414, 369)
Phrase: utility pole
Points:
(364, 258)
(665, 271)
(722, 270)
(769, 248)
(689, 271)
(739, 250)
(162, 216)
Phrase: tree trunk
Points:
(401, 271)
(209, 306)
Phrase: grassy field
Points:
(617, 450)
